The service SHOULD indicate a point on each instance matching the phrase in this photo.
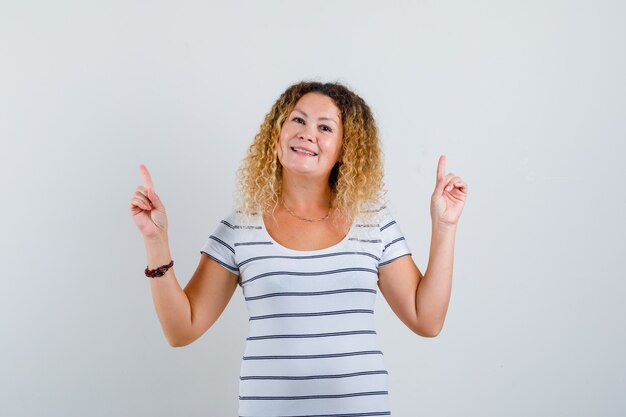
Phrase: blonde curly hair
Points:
(356, 180)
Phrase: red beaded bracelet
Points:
(160, 271)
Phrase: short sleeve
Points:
(393, 243)
(220, 244)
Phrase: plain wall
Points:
(526, 99)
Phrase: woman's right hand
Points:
(147, 209)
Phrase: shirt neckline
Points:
(286, 249)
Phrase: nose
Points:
(307, 132)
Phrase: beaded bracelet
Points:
(159, 272)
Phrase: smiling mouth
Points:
(303, 152)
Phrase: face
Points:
(311, 136)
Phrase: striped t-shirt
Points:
(312, 349)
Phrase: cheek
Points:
(333, 147)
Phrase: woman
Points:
(310, 242)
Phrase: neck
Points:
(306, 197)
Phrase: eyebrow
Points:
(321, 118)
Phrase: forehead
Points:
(319, 104)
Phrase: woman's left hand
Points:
(447, 201)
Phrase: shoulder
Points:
(231, 228)
(236, 224)
(376, 212)
(386, 216)
(369, 220)
(231, 219)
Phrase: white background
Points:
(526, 99)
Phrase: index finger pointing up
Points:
(441, 167)
(147, 179)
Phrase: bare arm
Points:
(186, 314)
(421, 301)
(210, 289)
(433, 292)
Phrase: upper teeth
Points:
(303, 151)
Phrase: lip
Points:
(305, 149)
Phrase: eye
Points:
(326, 128)
(298, 119)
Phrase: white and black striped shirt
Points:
(312, 349)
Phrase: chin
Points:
(300, 170)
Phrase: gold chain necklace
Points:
(305, 218)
